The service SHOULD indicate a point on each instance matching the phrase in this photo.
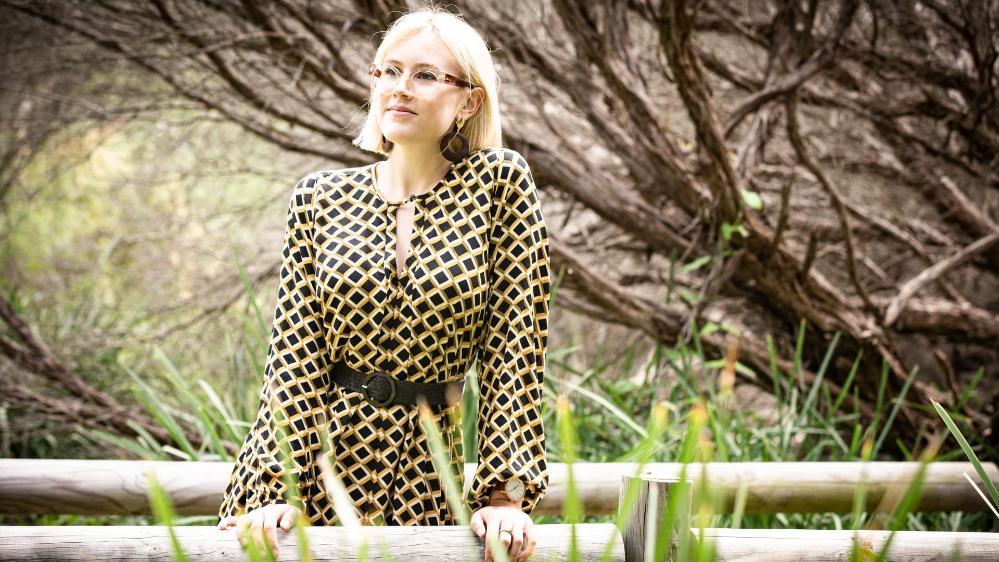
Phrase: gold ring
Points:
(506, 531)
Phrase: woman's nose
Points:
(402, 86)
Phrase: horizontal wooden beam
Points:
(325, 543)
(780, 545)
(196, 488)
(458, 543)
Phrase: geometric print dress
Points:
(474, 287)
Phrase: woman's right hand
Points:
(263, 523)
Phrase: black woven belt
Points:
(383, 390)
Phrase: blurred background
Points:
(782, 211)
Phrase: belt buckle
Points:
(388, 395)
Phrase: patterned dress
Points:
(475, 285)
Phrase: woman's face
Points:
(433, 110)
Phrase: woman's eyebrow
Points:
(419, 64)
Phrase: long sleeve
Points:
(295, 373)
(511, 351)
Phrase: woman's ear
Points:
(472, 104)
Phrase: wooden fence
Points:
(50, 486)
(119, 487)
(649, 516)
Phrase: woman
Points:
(396, 276)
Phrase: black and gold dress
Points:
(475, 285)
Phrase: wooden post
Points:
(648, 513)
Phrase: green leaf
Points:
(696, 264)
(709, 329)
(752, 199)
(688, 295)
(741, 368)
(727, 230)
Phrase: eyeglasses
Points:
(425, 80)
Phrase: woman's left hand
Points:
(487, 522)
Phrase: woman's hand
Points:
(487, 522)
(263, 523)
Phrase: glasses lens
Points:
(421, 81)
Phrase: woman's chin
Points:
(406, 140)
(399, 135)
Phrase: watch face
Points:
(515, 488)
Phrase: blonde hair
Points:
(476, 62)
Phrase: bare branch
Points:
(929, 274)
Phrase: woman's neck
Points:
(410, 170)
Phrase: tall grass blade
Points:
(178, 382)
(164, 513)
(820, 375)
(145, 438)
(910, 500)
(739, 507)
(130, 445)
(658, 421)
(221, 411)
(775, 374)
(989, 485)
(982, 494)
(844, 391)
(860, 492)
(617, 412)
(895, 407)
(970, 388)
(453, 491)
(572, 509)
(263, 327)
(145, 395)
(799, 350)
(442, 463)
(470, 403)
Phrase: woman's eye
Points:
(391, 71)
(426, 75)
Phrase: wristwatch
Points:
(514, 489)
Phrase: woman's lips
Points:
(400, 112)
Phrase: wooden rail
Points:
(325, 543)
(119, 487)
(458, 543)
(780, 545)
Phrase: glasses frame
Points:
(375, 71)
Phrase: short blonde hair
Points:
(469, 48)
